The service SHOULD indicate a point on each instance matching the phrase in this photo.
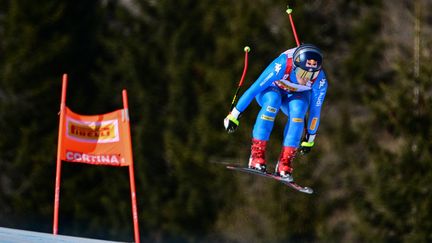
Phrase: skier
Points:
(296, 84)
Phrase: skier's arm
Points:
(319, 90)
(273, 72)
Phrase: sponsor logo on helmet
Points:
(311, 63)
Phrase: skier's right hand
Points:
(231, 122)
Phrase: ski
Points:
(291, 184)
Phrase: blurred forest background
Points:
(181, 61)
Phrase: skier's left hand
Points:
(307, 144)
(305, 147)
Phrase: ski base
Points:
(291, 184)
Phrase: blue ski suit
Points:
(277, 89)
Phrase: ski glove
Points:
(231, 122)
(307, 144)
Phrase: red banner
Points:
(98, 139)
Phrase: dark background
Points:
(181, 61)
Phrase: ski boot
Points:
(257, 158)
(284, 166)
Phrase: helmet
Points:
(308, 57)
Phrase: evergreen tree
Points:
(396, 207)
(40, 42)
(29, 54)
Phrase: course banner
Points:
(98, 139)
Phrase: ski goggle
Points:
(306, 75)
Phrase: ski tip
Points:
(308, 190)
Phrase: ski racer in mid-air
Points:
(296, 84)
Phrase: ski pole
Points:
(289, 11)
(246, 50)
